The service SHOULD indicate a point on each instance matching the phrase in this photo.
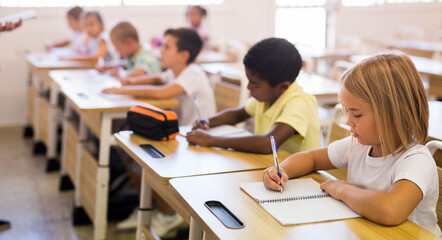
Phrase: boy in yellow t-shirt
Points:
(280, 107)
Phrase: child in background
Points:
(76, 39)
(280, 107)
(182, 79)
(124, 37)
(391, 174)
(97, 44)
(195, 16)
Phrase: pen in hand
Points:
(275, 157)
(198, 110)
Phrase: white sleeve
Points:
(339, 151)
(190, 81)
(418, 167)
(167, 76)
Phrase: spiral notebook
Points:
(301, 202)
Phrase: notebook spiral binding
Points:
(296, 198)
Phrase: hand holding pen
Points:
(200, 119)
(275, 158)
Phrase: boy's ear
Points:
(185, 55)
(284, 86)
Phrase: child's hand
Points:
(126, 81)
(198, 125)
(100, 68)
(199, 137)
(271, 179)
(114, 90)
(334, 187)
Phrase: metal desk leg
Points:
(38, 144)
(28, 130)
(51, 154)
(79, 216)
(196, 232)
(101, 201)
(144, 213)
(65, 182)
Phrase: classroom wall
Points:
(229, 20)
(246, 20)
(382, 22)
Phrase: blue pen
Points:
(275, 157)
(198, 110)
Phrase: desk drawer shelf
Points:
(44, 119)
(71, 152)
(88, 183)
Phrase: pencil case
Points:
(152, 122)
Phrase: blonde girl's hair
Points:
(390, 83)
(123, 30)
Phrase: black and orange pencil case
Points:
(152, 122)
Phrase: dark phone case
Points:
(152, 151)
(224, 215)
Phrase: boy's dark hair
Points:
(275, 60)
(188, 40)
(96, 14)
(202, 10)
(75, 12)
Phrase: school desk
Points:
(435, 127)
(41, 107)
(193, 192)
(96, 111)
(435, 120)
(182, 160)
(420, 48)
(319, 86)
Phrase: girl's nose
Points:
(349, 122)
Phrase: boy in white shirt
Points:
(182, 80)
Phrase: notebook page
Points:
(292, 188)
(225, 130)
(298, 211)
(222, 130)
(308, 211)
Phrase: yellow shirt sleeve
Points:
(296, 113)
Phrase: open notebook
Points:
(222, 130)
(301, 202)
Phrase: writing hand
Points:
(271, 179)
(199, 137)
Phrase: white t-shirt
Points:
(111, 54)
(195, 83)
(416, 165)
(76, 40)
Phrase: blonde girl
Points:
(391, 174)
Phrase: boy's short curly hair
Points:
(275, 60)
(187, 39)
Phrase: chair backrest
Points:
(337, 129)
(227, 95)
(433, 146)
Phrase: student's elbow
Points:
(390, 216)
(264, 146)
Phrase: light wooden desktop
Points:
(420, 48)
(96, 111)
(193, 192)
(42, 110)
(182, 160)
(319, 86)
